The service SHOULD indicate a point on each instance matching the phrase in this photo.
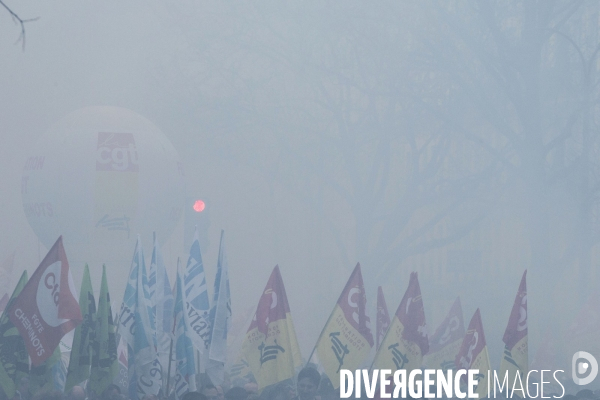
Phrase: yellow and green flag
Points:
(346, 339)
(406, 340)
(105, 365)
(14, 361)
(80, 360)
(515, 357)
(270, 347)
(473, 354)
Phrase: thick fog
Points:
(457, 139)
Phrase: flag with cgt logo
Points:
(271, 348)
(46, 309)
(445, 342)
(346, 339)
(406, 340)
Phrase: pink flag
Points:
(383, 317)
(46, 309)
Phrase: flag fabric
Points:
(46, 309)
(14, 361)
(195, 298)
(59, 374)
(383, 318)
(445, 343)
(346, 339)
(105, 365)
(183, 350)
(515, 357)
(80, 359)
(473, 354)
(162, 301)
(220, 319)
(271, 348)
(406, 340)
(137, 329)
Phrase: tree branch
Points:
(18, 20)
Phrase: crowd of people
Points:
(309, 385)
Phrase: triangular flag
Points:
(515, 357)
(346, 339)
(105, 365)
(445, 343)
(406, 340)
(473, 354)
(46, 309)
(80, 359)
(137, 329)
(195, 298)
(220, 319)
(183, 350)
(271, 347)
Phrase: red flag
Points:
(46, 309)
(383, 317)
(473, 353)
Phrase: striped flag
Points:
(271, 348)
(183, 349)
(515, 357)
(406, 340)
(445, 343)
(473, 354)
(346, 339)
(80, 359)
(137, 329)
(383, 318)
(220, 319)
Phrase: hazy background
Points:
(458, 139)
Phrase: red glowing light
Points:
(199, 206)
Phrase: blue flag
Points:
(196, 300)
(220, 319)
(185, 369)
(136, 327)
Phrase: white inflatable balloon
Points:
(100, 177)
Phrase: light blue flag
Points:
(196, 300)
(136, 327)
(59, 375)
(220, 319)
(185, 368)
(162, 304)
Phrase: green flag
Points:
(81, 354)
(14, 362)
(105, 365)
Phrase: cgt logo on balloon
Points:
(438, 384)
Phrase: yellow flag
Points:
(406, 340)
(515, 357)
(346, 339)
(271, 348)
(445, 343)
(473, 354)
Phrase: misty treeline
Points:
(456, 138)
